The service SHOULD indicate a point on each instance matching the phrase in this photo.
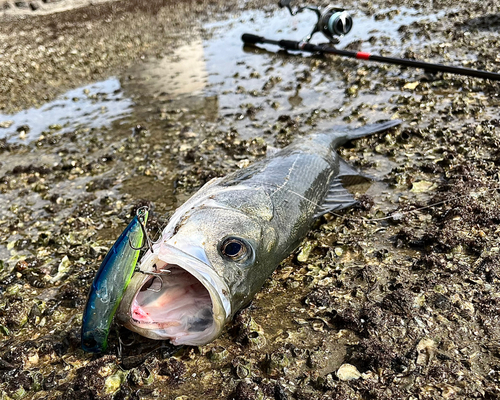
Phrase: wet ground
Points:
(113, 105)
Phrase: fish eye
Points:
(235, 249)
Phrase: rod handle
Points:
(248, 38)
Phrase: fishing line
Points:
(399, 214)
(130, 362)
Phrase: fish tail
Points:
(366, 130)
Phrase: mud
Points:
(398, 297)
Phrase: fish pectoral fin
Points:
(338, 197)
(351, 176)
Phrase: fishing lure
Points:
(110, 283)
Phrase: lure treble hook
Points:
(148, 243)
(156, 275)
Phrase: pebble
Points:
(6, 124)
(348, 372)
(426, 349)
(23, 129)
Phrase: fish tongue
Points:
(161, 293)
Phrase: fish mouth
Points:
(179, 297)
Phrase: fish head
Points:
(206, 266)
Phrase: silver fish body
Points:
(221, 245)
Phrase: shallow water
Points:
(91, 106)
(211, 65)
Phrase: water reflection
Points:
(180, 73)
(91, 106)
(386, 25)
(214, 76)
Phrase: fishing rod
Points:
(334, 23)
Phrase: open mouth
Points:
(174, 303)
(178, 297)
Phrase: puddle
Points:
(216, 77)
(215, 65)
(244, 87)
(385, 27)
(181, 73)
(91, 106)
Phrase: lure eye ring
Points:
(235, 249)
(141, 212)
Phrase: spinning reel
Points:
(332, 22)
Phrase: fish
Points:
(110, 283)
(220, 246)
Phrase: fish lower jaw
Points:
(155, 330)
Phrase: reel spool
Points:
(333, 22)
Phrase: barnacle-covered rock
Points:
(144, 375)
(113, 382)
(248, 332)
(277, 363)
(242, 367)
(175, 370)
(218, 353)
(426, 350)
(248, 390)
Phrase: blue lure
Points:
(110, 283)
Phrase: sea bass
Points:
(221, 245)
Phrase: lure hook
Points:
(156, 275)
(122, 343)
(148, 243)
